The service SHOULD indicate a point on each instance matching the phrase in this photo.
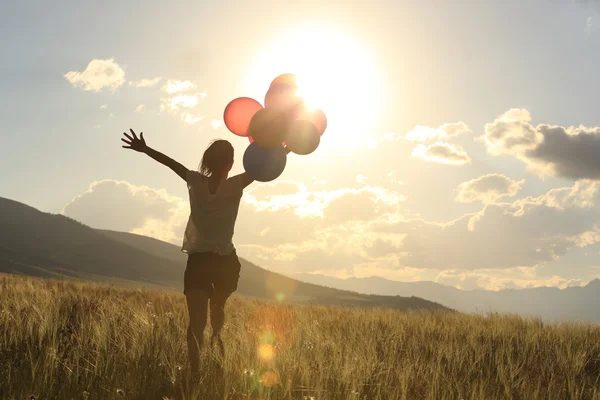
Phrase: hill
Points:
(46, 245)
(550, 303)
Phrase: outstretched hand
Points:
(133, 142)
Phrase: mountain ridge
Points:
(551, 303)
(53, 245)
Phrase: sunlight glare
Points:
(334, 73)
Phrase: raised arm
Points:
(139, 144)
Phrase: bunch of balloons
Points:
(284, 123)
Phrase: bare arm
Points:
(246, 179)
(139, 145)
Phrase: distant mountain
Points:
(48, 245)
(550, 303)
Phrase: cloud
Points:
(121, 206)
(443, 153)
(512, 133)
(104, 106)
(446, 131)
(523, 233)
(99, 74)
(488, 189)
(589, 25)
(567, 152)
(139, 108)
(511, 278)
(360, 178)
(381, 248)
(216, 123)
(548, 150)
(191, 118)
(177, 102)
(142, 83)
(174, 86)
(341, 204)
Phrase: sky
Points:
(463, 139)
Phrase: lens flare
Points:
(269, 379)
(266, 352)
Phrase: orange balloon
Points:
(283, 97)
(239, 113)
(317, 117)
(268, 127)
(303, 137)
(288, 79)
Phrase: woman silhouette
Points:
(213, 268)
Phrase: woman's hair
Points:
(217, 158)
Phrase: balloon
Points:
(268, 127)
(317, 117)
(303, 137)
(289, 79)
(264, 164)
(239, 113)
(283, 97)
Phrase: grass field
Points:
(68, 340)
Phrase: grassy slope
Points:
(62, 339)
(46, 245)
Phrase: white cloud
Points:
(98, 74)
(512, 133)
(443, 153)
(216, 123)
(104, 106)
(360, 178)
(488, 189)
(446, 131)
(174, 86)
(589, 25)
(190, 118)
(548, 150)
(139, 108)
(177, 102)
(119, 205)
(142, 83)
(524, 233)
(511, 278)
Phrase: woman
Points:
(213, 268)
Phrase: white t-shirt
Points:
(212, 219)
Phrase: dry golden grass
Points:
(68, 340)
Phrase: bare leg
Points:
(217, 318)
(197, 303)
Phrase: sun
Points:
(334, 73)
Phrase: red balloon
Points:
(268, 128)
(239, 113)
(317, 117)
(303, 137)
(288, 79)
(283, 97)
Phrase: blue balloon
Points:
(264, 164)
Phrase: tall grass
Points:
(68, 340)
